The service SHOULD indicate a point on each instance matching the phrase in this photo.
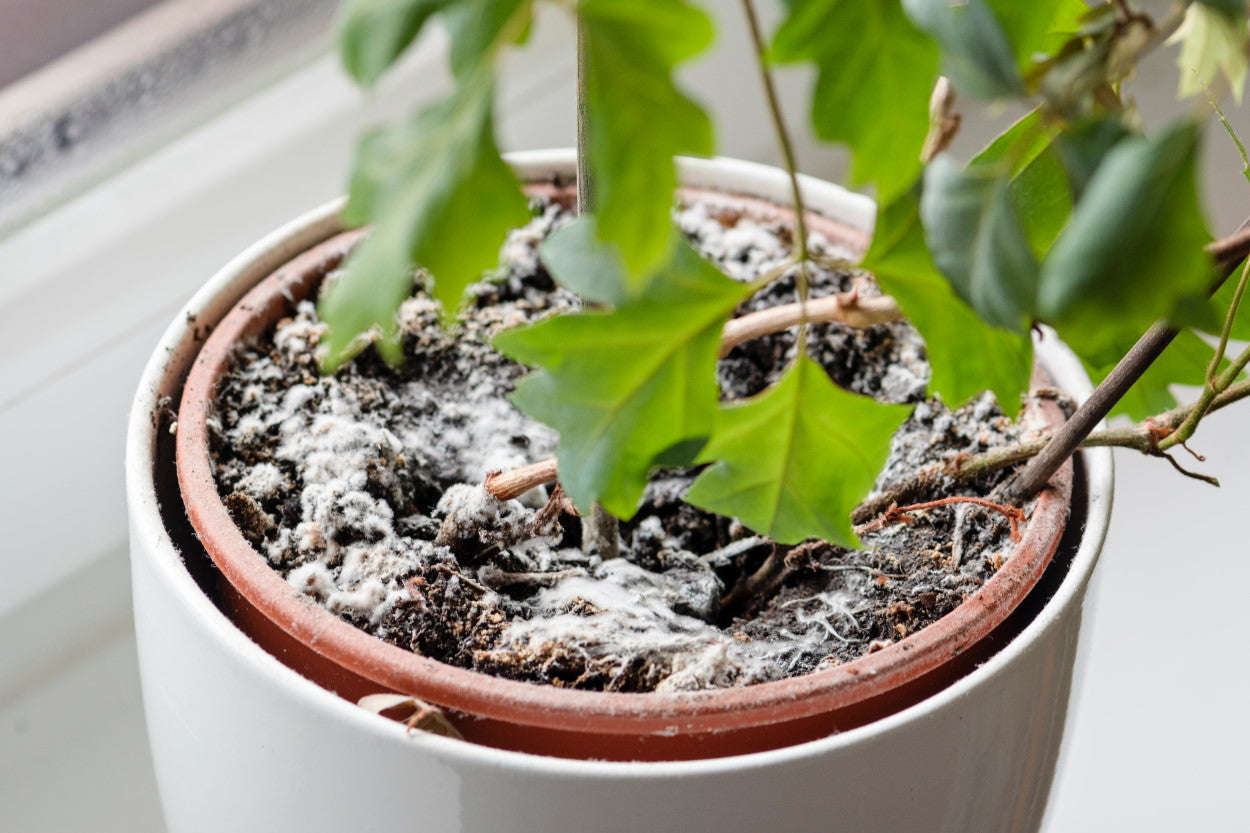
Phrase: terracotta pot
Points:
(559, 722)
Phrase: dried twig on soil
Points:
(510, 485)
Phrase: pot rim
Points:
(179, 342)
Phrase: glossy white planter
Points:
(241, 743)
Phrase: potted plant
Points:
(1050, 223)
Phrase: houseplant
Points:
(989, 194)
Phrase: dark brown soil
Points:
(363, 490)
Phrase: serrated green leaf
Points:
(639, 120)
(374, 33)
(1134, 246)
(793, 462)
(446, 201)
(976, 54)
(966, 355)
(1213, 41)
(577, 259)
(866, 52)
(624, 387)
(972, 229)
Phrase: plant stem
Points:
(1232, 134)
(599, 527)
(787, 154)
(1203, 406)
(1227, 252)
(584, 190)
(845, 307)
(1093, 411)
(1229, 319)
(1145, 436)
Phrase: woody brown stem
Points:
(1227, 252)
(1145, 437)
(599, 527)
(510, 485)
(844, 308)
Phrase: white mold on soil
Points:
(364, 490)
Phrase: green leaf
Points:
(1037, 27)
(977, 241)
(1038, 181)
(639, 120)
(443, 199)
(1134, 247)
(866, 52)
(479, 28)
(624, 387)
(374, 33)
(966, 355)
(976, 54)
(1195, 312)
(1084, 145)
(578, 260)
(1019, 145)
(1212, 40)
(793, 462)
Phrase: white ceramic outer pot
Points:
(242, 743)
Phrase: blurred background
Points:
(143, 144)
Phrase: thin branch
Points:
(802, 283)
(845, 308)
(1226, 331)
(1144, 437)
(1232, 134)
(585, 191)
(1203, 406)
(599, 527)
(1069, 438)
(1231, 250)
(1227, 253)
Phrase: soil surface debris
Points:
(364, 491)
